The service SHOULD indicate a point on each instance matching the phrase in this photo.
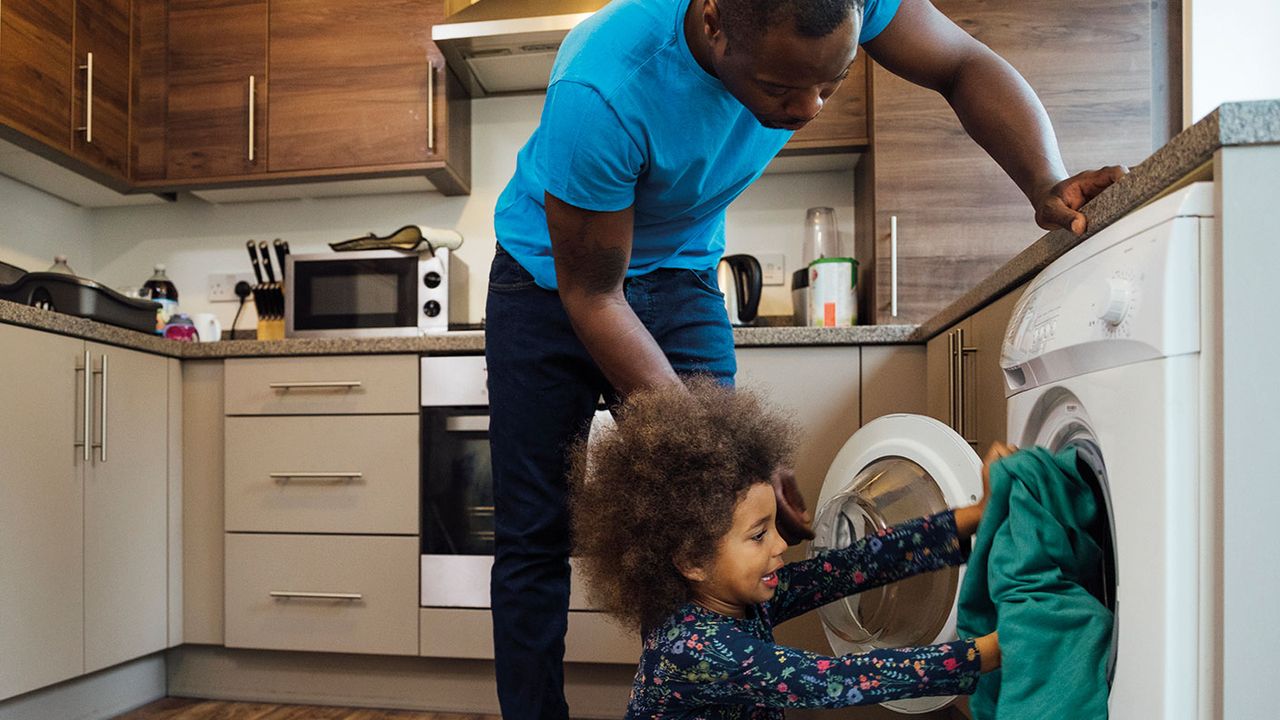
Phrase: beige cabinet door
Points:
(41, 547)
(989, 413)
(126, 509)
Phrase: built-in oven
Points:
(457, 485)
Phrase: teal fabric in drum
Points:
(1034, 559)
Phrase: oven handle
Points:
(467, 423)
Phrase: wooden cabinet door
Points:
(125, 509)
(35, 69)
(959, 217)
(101, 93)
(843, 120)
(216, 123)
(41, 545)
(350, 84)
(990, 413)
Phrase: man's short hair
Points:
(745, 21)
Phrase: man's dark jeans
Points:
(543, 390)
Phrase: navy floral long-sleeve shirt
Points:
(701, 664)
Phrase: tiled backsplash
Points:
(194, 239)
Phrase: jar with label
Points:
(161, 290)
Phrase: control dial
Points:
(1115, 299)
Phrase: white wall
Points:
(195, 239)
(35, 226)
(1229, 53)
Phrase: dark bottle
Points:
(162, 290)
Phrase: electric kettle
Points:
(741, 280)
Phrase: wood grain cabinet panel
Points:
(842, 124)
(959, 217)
(214, 50)
(101, 110)
(350, 83)
(35, 69)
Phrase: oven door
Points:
(372, 293)
(457, 507)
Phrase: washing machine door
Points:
(897, 468)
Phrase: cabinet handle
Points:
(284, 477)
(86, 421)
(893, 265)
(285, 594)
(101, 445)
(951, 381)
(253, 97)
(431, 106)
(313, 385)
(961, 411)
(88, 104)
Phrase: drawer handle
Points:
(287, 476)
(286, 595)
(314, 385)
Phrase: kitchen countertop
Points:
(1232, 124)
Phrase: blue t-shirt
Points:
(631, 119)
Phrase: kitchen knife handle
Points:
(893, 265)
(265, 252)
(253, 258)
(280, 255)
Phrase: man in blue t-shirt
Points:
(658, 114)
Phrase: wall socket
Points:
(773, 267)
(222, 286)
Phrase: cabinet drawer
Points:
(326, 593)
(463, 633)
(338, 474)
(322, 385)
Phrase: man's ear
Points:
(711, 25)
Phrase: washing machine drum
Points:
(897, 468)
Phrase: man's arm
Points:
(592, 250)
(995, 105)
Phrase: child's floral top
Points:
(701, 664)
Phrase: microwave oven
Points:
(374, 293)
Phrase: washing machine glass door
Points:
(897, 468)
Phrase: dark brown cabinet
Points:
(958, 217)
(216, 118)
(35, 69)
(842, 124)
(100, 112)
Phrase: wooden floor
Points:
(192, 709)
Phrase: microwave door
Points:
(356, 296)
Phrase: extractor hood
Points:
(499, 47)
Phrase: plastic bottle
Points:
(161, 290)
(60, 265)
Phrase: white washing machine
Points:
(1102, 354)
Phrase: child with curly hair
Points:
(673, 519)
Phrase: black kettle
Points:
(741, 280)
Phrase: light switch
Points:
(774, 268)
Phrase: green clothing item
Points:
(1033, 558)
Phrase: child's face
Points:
(743, 571)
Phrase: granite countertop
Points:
(467, 341)
(1232, 124)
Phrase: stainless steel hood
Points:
(499, 47)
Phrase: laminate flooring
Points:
(195, 709)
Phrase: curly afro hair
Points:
(661, 487)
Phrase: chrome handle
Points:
(961, 411)
(466, 423)
(286, 476)
(951, 380)
(431, 106)
(893, 265)
(253, 96)
(314, 385)
(101, 445)
(88, 103)
(87, 422)
(285, 594)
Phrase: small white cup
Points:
(208, 328)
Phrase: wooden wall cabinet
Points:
(1097, 67)
(100, 113)
(83, 543)
(843, 123)
(35, 69)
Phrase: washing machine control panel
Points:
(1133, 299)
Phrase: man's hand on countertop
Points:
(1059, 206)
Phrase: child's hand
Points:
(968, 518)
(988, 652)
